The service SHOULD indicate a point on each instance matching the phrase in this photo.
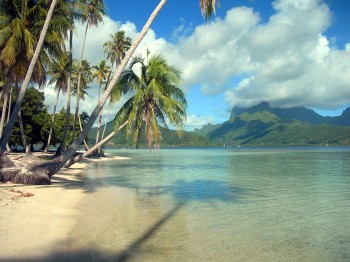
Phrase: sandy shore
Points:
(35, 221)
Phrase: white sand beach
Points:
(35, 219)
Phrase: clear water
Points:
(233, 204)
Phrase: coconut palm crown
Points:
(156, 98)
(117, 47)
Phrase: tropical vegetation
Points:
(32, 45)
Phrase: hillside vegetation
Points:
(263, 125)
(259, 125)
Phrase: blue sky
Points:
(286, 52)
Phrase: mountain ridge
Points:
(263, 125)
(259, 125)
(300, 113)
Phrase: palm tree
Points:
(156, 99)
(59, 71)
(101, 73)
(117, 47)
(18, 19)
(83, 70)
(92, 13)
(75, 13)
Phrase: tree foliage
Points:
(156, 98)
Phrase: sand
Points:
(35, 221)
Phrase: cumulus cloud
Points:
(294, 62)
(288, 60)
(194, 121)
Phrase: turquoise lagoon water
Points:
(229, 204)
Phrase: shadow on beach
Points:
(182, 191)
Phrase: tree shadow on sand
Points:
(184, 192)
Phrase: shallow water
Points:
(236, 204)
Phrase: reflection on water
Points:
(219, 205)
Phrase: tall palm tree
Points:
(75, 9)
(101, 73)
(83, 70)
(156, 99)
(59, 71)
(20, 26)
(92, 14)
(117, 47)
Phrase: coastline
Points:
(35, 220)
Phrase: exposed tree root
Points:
(30, 170)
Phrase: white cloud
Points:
(287, 61)
(194, 121)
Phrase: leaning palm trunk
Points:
(5, 137)
(59, 163)
(52, 121)
(109, 108)
(105, 126)
(99, 117)
(95, 147)
(75, 116)
(81, 129)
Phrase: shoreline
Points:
(36, 220)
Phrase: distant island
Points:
(259, 125)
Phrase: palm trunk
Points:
(4, 107)
(109, 108)
(95, 147)
(79, 81)
(81, 129)
(75, 116)
(21, 125)
(99, 117)
(9, 106)
(52, 121)
(5, 137)
(66, 126)
(23, 135)
(105, 126)
(8, 149)
(59, 163)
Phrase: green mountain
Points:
(263, 125)
(259, 125)
(301, 114)
(170, 138)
